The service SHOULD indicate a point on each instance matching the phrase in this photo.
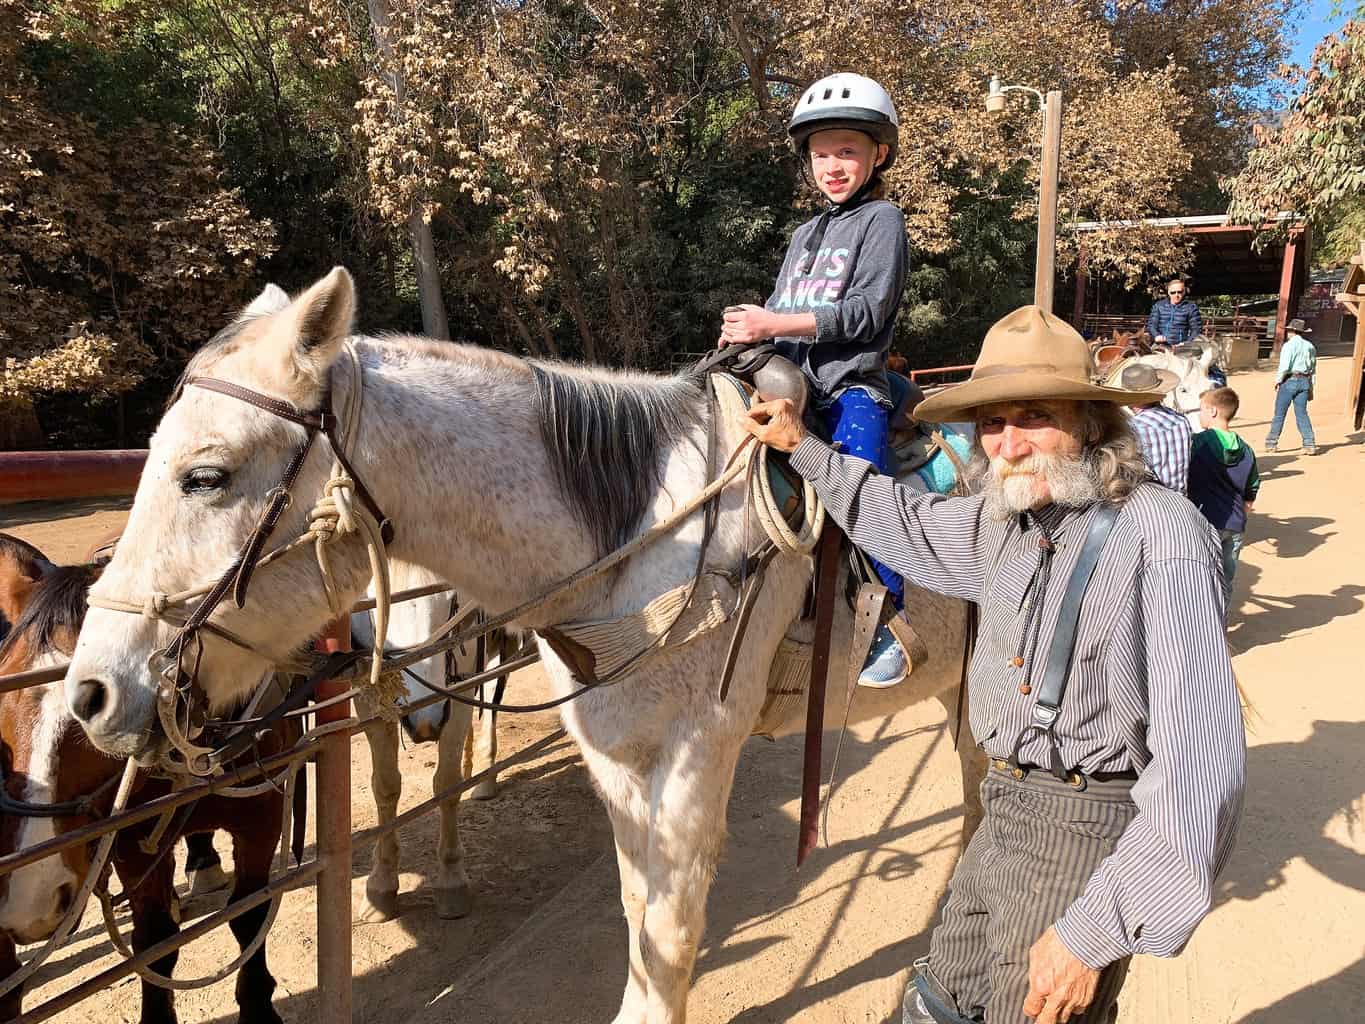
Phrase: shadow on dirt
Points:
(757, 883)
(25, 513)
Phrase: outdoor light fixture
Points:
(995, 96)
(1051, 106)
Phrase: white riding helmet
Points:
(850, 101)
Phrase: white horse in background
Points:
(1192, 373)
(501, 477)
(449, 724)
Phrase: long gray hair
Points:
(1110, 453)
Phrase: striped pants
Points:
(1038, 845)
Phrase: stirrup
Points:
(886, 663)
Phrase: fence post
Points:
(333, 800)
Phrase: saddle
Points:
(905, 395)
(770, 374)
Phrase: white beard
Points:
(1011, 488)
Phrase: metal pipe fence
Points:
(330, 868)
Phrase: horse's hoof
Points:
(261, 1015)
(379, 907)
(454, 903)
(485, 790)
(208, 880)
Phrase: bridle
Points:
(84, 806)
(181, 701)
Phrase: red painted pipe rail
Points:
(53, 476)
(934, 371)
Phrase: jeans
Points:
(858, 425)
(1232, 549)
(1295, 390)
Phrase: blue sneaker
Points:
(885, 665)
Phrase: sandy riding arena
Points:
(833, 943)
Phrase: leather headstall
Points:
(237, 577)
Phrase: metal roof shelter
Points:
(1225, 263)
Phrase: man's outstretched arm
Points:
(933, 541)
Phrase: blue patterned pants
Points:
(857, 424)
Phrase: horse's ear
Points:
(271, 300)
(324, 316)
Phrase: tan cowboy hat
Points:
(1027, 354)
(1131, 375)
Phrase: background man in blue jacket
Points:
(1174, 320)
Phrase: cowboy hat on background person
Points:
(1042, 918)
(1295, 379)
(1164, 434)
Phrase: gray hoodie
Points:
(853, 286)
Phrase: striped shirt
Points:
(1151, 687)
(1165, 436)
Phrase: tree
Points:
(598, 178)
(1313, 161)
(1223, 55)
(114, 251)
(435, 324)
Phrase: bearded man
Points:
(1100, 685)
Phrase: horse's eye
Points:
(203, 479)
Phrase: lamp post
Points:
(1045, 266)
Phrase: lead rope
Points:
(152, 977)
(92, 879)
(339, 513)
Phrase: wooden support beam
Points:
(1284, 310)
(1082, 282)
(53, 476)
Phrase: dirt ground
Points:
(833, 943)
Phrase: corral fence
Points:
(330, 867)
(40, 476)
(1254, 334)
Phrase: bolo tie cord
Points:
(1033, 614)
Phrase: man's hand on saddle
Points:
(745, 325)
(777, 424)
(1059, 985)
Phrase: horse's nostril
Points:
(65, 893)
(91, 696)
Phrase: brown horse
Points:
(47, 761)
(21, 567)
(1121, 345)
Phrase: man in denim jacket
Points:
(1174, 320)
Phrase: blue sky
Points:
(1317, 21)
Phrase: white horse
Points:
(502, 477)
(449, 725)
(1193, 374)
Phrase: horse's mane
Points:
(605, 433)
(58, 602)
(606, 437)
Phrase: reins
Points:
(84, 806)
(180, 699)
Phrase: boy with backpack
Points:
(1224, 480)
